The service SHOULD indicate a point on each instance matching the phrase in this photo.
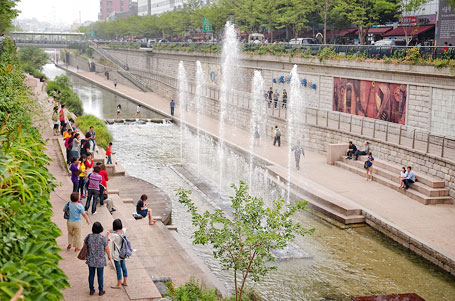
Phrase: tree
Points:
(244, 243)
(323, 9)
(294, 14)
(364, 13)
(33, 56)
(7, 13)
(407, 7)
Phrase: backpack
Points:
(278, 133)
(125, 249)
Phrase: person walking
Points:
(75, 171)
(97, 246)
(119, 109)
(369, 167)
(172, 104)
(298, 151)
(109, 153)
(93, 189)
(104, 179)
(62, 118)
(270, 96)
(257, 136)
(116, 236)
(276, 96)
(138, 111)
(55, 120)
(82, 175)
(285, 99)
(277, 136)
(115, 83)
(75, 211)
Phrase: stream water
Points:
(333, 264)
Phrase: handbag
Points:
(66, 214)
(83, 253)
(366, 165)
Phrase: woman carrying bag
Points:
(73, 211)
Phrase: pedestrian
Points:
(73, 224)
(116, 236)
(257, 136)
(92, 137)
(270, 95)
(172, 107)
(119, 108)
(93, 189)
(77, 68)
(82, 175)
(410, 178)
(104, 179)
(69, 146)
(62, 118)
(75, 171)
(97, 246)
(55, 120)
(141, 208)
(276, 96)
(298, 151)
(76, 149)
(115, 83)
(277, 136)
(369, 167)
(138, 111)
(285, 99)
(109, 153)
(107, 75)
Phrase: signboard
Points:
(408, 20)
(206, 25)
(446, 24)
(378, 100)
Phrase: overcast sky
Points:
(59, 11)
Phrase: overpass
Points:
(47, 39)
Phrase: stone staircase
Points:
(426, 190)
(319, 198)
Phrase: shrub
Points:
(28, 249)
(70, 99)
(103, 135)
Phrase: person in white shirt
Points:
(138, 111)
(403, 175)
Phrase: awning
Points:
(379, 30)
(410, 30)
(341, 32)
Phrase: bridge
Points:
(47, 39)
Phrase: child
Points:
(109, 153)
(403, 175)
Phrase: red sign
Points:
(408, 20)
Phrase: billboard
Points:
(378, 100)
(446, 24)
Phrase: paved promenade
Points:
(434, 225)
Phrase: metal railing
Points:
(402, 135)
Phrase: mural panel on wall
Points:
(378, 100)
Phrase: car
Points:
(387, 47)
(303, 41)
(163, 41)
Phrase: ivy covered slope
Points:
(28, 249)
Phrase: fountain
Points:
(229, 63)
(199, 106)
(183, 85)
(258, 120)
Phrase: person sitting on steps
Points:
(365, 151)
(351, 150)
(410, 178)
(403, 175)
(141, 208)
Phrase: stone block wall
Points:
(419, 107)
(443, 113)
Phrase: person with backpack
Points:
(121, 251)
(85, 144)
(277, 136)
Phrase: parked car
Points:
(387, 47)
(163, 41)
(303, 41)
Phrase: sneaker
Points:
(102, 293)
(113, 209)
(94, 213)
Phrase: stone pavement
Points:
(434, 225)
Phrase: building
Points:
(107, 7)
(156, 7)
(132, 11)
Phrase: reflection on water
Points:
(99, 102)
(340, 263)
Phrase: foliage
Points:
(326, 53)
(34, 56)
(82, 48)
(193, 290)
(118, 45)
(70, 99)
(245, 242)
(28, 249)
(103, 135)
(32, 71)
(7, 13)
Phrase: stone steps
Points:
(411, 192)
(319, 198)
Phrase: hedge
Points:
(103, 135)
(28, 249)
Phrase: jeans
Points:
(69, 156)
(109, 160)
(277, 139)
(95, 194)
(407, 182)
(275, 103)
(172, 111)
(349, 153)
(94, 143)
(91, 278)
(359, 153)
(120, 267)
(101, 195)
(75, 186)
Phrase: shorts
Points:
(62, 123)
(55, 126)
(143, 212)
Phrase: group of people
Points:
(274, 97)
(406, 177)
(138, 111)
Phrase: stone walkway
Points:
(434, 225)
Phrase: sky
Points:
(59, 11)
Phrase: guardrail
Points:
(368, 128)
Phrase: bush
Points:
(32, 71)
(28, 249)
(70, 99)
(103, 136)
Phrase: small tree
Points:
(244, 243)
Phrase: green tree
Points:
(33, 56)
(7, 13)
(245, 242)
(407, 7)
(294, 14)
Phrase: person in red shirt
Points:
(445, 49)
(103, 184)
(109, 153)
(88, 169)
